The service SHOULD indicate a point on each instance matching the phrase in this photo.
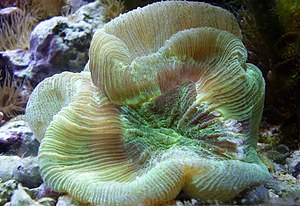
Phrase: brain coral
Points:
(168, 104)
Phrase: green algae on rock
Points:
(169, 104)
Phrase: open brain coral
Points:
(169, 104)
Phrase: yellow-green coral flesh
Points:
(106, 155)
(183, 116)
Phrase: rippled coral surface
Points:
(168, 104)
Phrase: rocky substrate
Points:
(21, 183)
(57, 44)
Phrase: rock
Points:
(62, 43)
(6, 190)
(17, 59)
(191, 202)
(7, 166)
(23, 170)
(47, 201)
(27, 172)
(1, 119)
(92, 14)
(20, 197)
(74, 5)
(66, 200)
(279, 154)
(292, 200)
(253, 196)
(42, 191)
(57, 44)
(283, 185)
(283, 149)
(17, 139)
(293, 164)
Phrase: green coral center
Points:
(175, 120)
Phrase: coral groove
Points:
(167, 105)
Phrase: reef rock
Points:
(17, 139)
(58, 44)
(66, 200)
(17, 59)
(62, 43)
(20, 197)
(293, 163)
(23, 170)
(43, 191)
(6, 190)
